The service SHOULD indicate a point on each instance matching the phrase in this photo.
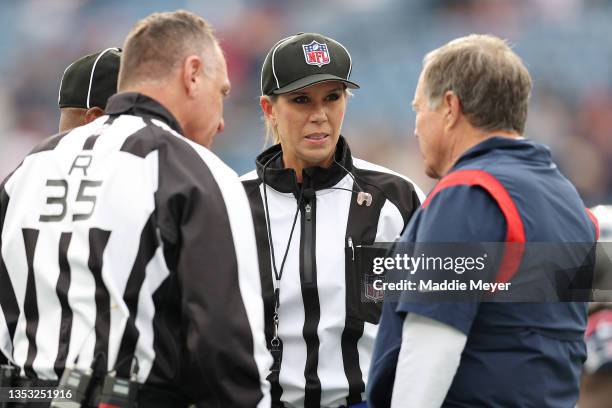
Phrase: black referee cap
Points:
(302, 60)
(90, 80)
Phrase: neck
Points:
(161, 93)
(298, 165)
(469, 138)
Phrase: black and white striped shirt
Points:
(122, 238)
(327, 331)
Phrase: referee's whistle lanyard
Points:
(276, 344)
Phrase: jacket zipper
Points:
(309, 245)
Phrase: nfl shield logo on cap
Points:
(316, 53)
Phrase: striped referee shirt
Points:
(123, 240)
(327, 331)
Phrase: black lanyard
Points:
(275, 343)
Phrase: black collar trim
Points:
(317, 178)
(133, 103)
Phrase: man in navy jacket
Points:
(495, 186)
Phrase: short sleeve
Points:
(455, 214)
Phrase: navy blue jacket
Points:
(517, 354)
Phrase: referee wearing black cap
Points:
(86, 85)
(317, 211)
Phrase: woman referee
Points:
(315, 208)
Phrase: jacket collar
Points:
(523, 149)
(317, 178)
(133, 103)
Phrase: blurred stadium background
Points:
(566, 45)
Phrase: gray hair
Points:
(157, 43)
(489, 79)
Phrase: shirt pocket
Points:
(363, 300)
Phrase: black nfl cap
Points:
(302, 60)
(90, 80)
